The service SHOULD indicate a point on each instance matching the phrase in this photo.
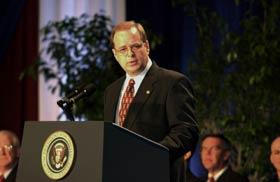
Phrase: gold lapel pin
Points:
(148, 92)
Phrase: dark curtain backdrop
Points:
(165, 21)
(19, 99)
(9, 15)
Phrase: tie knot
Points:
(131, 82)
(211, 179)
(130, 86)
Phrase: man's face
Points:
(213, 156)
(275, 153)
(130, 51)
(8, 152)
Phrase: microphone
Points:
(88, 90)
(79, 93)
(75, 92)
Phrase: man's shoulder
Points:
(234, 176)
(172, 73)
(116, 83)
(168, 74)
(12, 175)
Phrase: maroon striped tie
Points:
(126, 101)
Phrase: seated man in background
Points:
(9, 155)
(216, 150)
(275, 158)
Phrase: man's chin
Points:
(209, 167)
(134, 71)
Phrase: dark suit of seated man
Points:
(215, 155)
(9, 155)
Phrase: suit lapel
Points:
(143, 93)
(226, 176)
(114, 98)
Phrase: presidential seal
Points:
(57, 155)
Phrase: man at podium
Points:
(152, 101)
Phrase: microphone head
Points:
(77, 94)
(76, 91)
(89, 89)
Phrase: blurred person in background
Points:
(9, 155)
(275, 158)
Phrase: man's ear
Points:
(147, 46)
(226, 155)
(17, 152)
(270, 157)
(114, 52)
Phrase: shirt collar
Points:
(7, 172)
(218, 174)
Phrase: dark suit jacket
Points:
(12, 175)
(273, 178)
(163, 111)
(231, 176)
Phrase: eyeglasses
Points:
(124, 50)
(275, 152)
(6, 147)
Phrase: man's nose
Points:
(208, 151)
(130, 52)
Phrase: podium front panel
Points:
(88, 141)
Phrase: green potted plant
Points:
(79, 53)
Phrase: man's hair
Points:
(226, 144)
(126, 25)
(12, 136)
(274, 139)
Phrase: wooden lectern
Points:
(103, 152)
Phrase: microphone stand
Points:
(66, 103)
(67, 106)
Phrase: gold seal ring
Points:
(57, 155)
